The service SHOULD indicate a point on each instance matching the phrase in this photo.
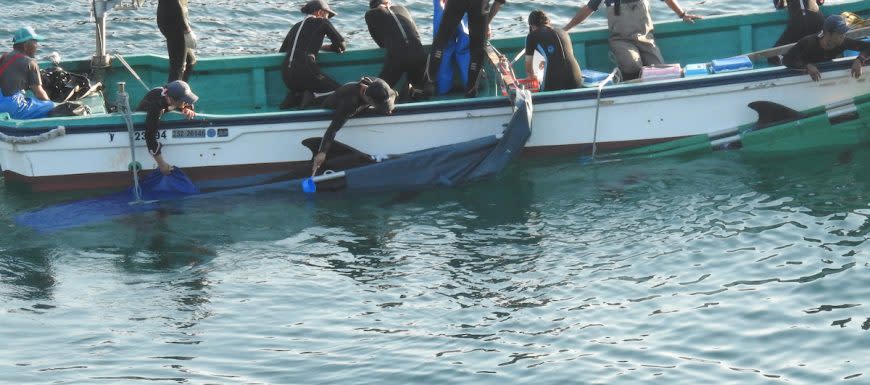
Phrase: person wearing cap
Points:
(554, 44)
(348, 100)
(804, 18)
(393, 29)
(825, 46)
(480, 14)
(303, 42)
(631, 32)
(174, 24)
(174, 96)
(19, 72)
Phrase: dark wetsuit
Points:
(394, 30)
(477, 11)
(562, 71)
(300, 72)
(155, 104)
(173, 22)
(347, 101)
(808, 51)
(804, 18)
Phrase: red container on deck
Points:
(529, 84)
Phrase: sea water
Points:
(715, 269)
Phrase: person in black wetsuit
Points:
(175, 96)
(392, 28)
(563, 72)
(804, 18)
(302, 44)
(826, 46)
(478, 25)
(173, 23)
(347, 101)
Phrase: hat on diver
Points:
(836, 23)
(383, 97)
(179, 90)
(375, 3)
(313, 5)
(24, 34)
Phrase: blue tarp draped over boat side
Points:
(447, 165)
(154, 187)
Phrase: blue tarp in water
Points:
(440, 166)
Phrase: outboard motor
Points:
(62, 86)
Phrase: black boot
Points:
(290, 101)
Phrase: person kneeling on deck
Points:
(393, 29)
(20, 72)
(175, 96)
(825, 46)
(346, 102)
(303, 42)
(631, 32)
(562, 70)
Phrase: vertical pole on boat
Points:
(598, 107)
(100, 61)
(124, 104)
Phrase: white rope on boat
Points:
(54, 133)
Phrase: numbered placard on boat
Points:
(188, 133)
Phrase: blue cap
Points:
(836, 23)
(179, 90)
(25, 34)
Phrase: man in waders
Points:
(173, 22)
(393, 29)
(303, 78)
(347, 101)
(480, 14)
(175, 96)
(631, 32)
(19, 72)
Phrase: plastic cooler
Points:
(660, 72)
(591, 78)
(736, 63)
(696, 69)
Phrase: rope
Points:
(132, 71)
(54, 133)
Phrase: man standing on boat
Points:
(347, 101)
(173, 22)
(827, 45)
(480, 14)
(631, 32)
(303, 42)
(20, 72)
(562, 71)
(175, 96)
(393, 29)
(804, 18)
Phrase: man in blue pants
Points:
(19, 72)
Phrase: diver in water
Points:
(174, 24)
(303, 42)
(393, 29)
(479, 15)
(347, 101)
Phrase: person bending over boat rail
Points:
(827, 45)
(480, 14)
(174, 24)
(303, 42)
(393, 29)
(19, 72)
(631, 32)
(562, 70)
(804, 18)
(347, 101)
(175, 96)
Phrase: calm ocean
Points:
(709, 270)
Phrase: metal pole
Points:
(124, 103)
(598, 107)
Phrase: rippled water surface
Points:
(708, 270)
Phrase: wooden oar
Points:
(775, 51)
